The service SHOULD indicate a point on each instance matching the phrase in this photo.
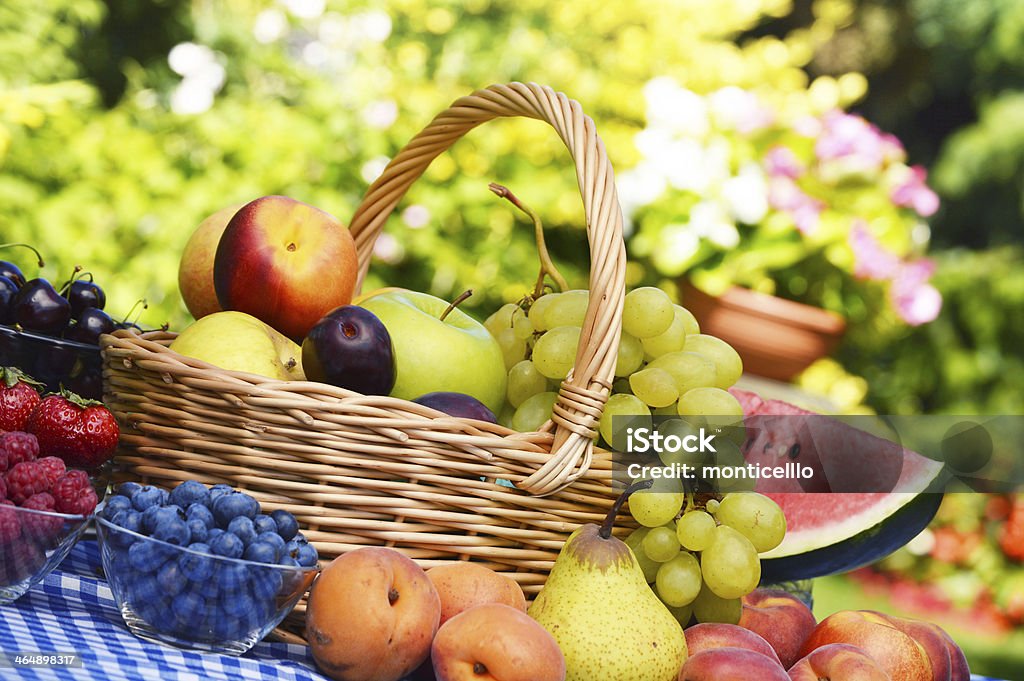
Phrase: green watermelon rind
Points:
(892, 531)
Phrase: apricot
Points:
(372, 615)
(496, 642)
(464, 585)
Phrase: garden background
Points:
(124, 123)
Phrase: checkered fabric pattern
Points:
(73, 611)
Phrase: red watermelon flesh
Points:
(844, 459)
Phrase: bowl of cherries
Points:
(53, 333)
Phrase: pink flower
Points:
(782, 161)
(786, 195)
(870, 259)
(914, 193)
(851, 138)
(916, 301)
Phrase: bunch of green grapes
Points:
(665, 365)
(702, 560)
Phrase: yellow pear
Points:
(240, 342)
(606, 619)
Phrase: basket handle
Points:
(583, 394)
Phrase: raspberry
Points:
(54, 467)
(16, 447)
(3, 489)
(74, 496)
(10, 527)
(42, 529)
(24, 480)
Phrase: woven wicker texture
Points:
(364, 470)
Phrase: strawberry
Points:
(82, 432)
(19, 395)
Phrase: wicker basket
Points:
(358, 470)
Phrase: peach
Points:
(837, 662)
(464, 585)
(731, 664)
(898, 654)
(195, 271)
(712, 635)
(948, 661)
(780, 618)
(495, 642)
(285, 263)
(372, 614)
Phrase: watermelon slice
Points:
(832, 526)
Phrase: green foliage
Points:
(310, 106)
(967, 361)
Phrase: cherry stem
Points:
(145, 306)
(609, 520)
(74, 275)
(547, 267)
(455, 303)
(31, 248)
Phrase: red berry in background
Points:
(73, 494)
(54, 467)
(16, 447)
(24, 480)
(82, 432)
(19, 395)
(3, 489)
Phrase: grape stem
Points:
(547, 267)
(455, 303)
(31, 248)
(609, 520)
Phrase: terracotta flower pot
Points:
(776, 338)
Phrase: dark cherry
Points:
(350, 348)
(459, 405)
(90, 325)
(8, 291)
(38, 307)
(11, 271)
(82, 294)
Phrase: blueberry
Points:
(212, 534)
(147, 556)
(148, 496)
(230, 506)
(266, 583)
(145, 589)
(260, 552)
(225, 628)
(227, 544)
(130, 520)
(188, 607)
(238, 604)
(171, 579)
(242, 527)
(287, 525)
(128, 489)
(274, 539)
(219, 490)
(196, 568)
(288, 561)
(200, 512)
(233, 579)
(210, 589)
(172, 530)
(188, 493)
(264, 523)
(292, 547)
(198, 531)
(154, 515)
(307, 556)
(114, 505)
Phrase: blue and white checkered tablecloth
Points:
(73, 611)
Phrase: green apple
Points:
(456, 354)
(240, 342)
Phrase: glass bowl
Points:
(193, 600)
(32, 543)
(54, 362)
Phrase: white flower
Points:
(270, 25)
(380, 114)
(746, 195)
(734, 108)
(711, 220)
(416, 216)
(675, 108)
(305, 9)
(372, 169)
(678, 243)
